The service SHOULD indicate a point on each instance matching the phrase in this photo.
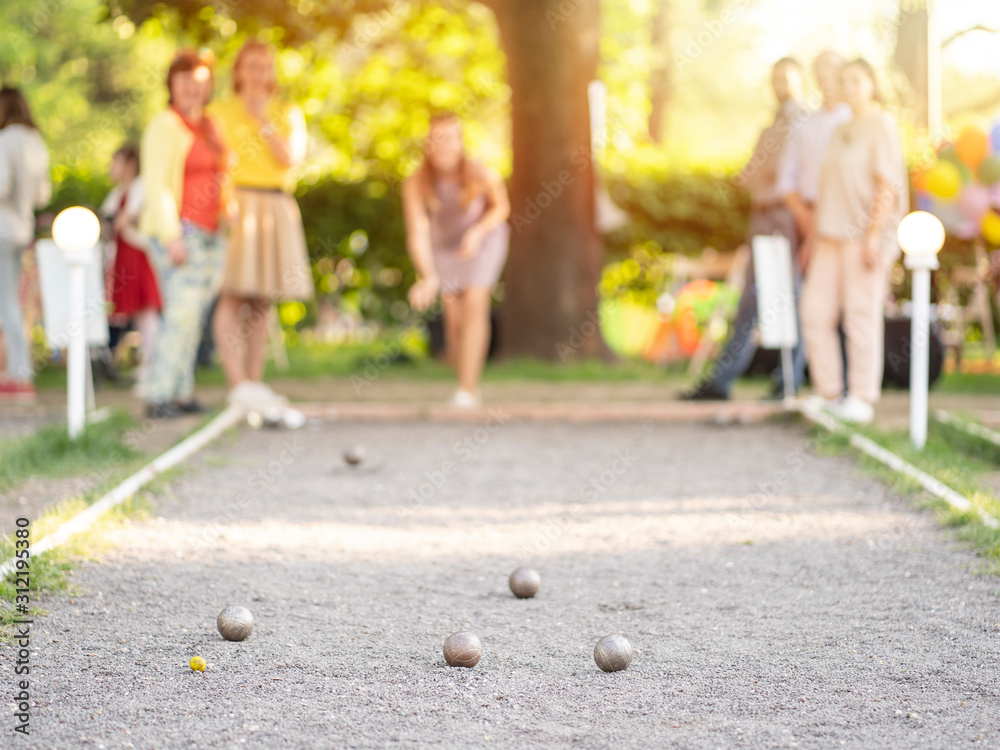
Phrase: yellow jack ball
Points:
(198, 664)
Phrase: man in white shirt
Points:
(769, 215)
(802, 160)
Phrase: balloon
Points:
(967, 230)
(974, 202)
(995, 196)
(995, 138)
(989, 171)
(991, 228)
(925, 203)
(972, 146)
(943, 180)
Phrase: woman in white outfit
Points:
(24, 187)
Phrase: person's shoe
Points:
(269, 397)
(705, 392)
(243, 394)
(162, 411)
(103, 368)
(17, 391)
(777, 393)
(256, 397)
(818, 403)
(189, 407)
(462, 399)
(853, 409)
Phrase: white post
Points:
(76, 232)
(76, 367)
(919, 345)
(921, 235)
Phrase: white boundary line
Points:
(85, 518)
(970, 428)
(894, 462)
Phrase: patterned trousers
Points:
(187, 291)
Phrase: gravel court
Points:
(774, 597)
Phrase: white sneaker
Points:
(256, 397)
(818, 403)
(242, 394)
(464, 400)
(853, 409)
(270, 397)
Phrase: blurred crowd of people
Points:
(202, 222)
(832, 181)
(201, 213)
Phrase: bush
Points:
(357, 246)
(77, 187)
(679, 213)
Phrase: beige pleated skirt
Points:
(267, 254)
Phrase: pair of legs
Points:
(240, 329)
(18, 352)
(147, 322)
(839, 289)
(187, 292)
(467, 333)
(740, 350)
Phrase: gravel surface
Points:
(773, 597)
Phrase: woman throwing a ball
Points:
(457, 234)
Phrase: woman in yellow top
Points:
(267, 260)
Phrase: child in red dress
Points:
(132, 284)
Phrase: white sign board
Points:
(772, 265)
(53, 274)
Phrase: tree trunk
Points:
(659, 79)
(550, 289)
(911, 56)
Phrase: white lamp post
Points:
(76, 231)
(921, 235)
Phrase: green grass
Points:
(109, 461)
(49, 572)
(590, 370)
(51, 452)
(319, 361)
(954, 458)
(968, 444)
(973, 385)
(324, 361)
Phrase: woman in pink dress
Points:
(456, 213)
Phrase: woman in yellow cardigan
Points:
(184, 171)
(267, 261)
